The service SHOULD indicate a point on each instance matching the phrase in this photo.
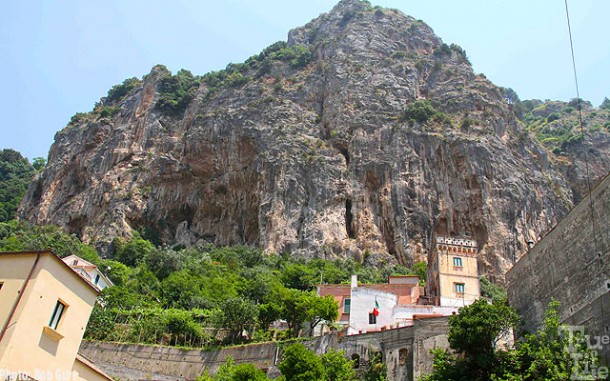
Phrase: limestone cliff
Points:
(363, 135)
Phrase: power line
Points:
(582, 129)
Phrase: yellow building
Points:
(44, 310)
(453, 278)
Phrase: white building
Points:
(375, 307)
(88, 271)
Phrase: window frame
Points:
(347, 305)
(58, 312)
(458, 286)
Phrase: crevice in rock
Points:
(344, 151)
(349, 219)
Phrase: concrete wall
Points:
(406, 351)
(570, 264)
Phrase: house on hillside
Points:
(375, 307)
(453, 274)
(89, 271)
(44, 310)
(453, 282)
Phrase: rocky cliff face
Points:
(363, 136)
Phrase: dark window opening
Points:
(372, 319)
(349, 218)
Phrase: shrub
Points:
(119, 91)
(177, 91)
(107, 111)
(553, 117)
(421, 111)
(301, 364)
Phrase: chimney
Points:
(354, 281)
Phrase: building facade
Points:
(367, 308)
(453, 277)
(44, 310)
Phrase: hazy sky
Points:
(58, 57)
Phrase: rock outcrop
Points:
(363, 136)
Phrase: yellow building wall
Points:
(84, 373)
(466, 274)
(13, 272)
(27, 345)
(471, 287)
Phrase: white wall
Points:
(363, 302)
(455, 302)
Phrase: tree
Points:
(236, 315)
(550, 353)
(20, 235)
(294, 308)
(133, 251)
(322, 309)
(475, 331)
(180, 325)
(267, 314)
(376, 370)
(15, 176)
(473, 335)
(100, 323)
(39, 163)
(181, 290)
(337, 367)
(421, 111)
(162, 262)
(301, 364)
(231, 372)
(248, 372)
(510, 95)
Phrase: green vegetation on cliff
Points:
(16, 173)
(556, 124)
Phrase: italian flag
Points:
(376, 309)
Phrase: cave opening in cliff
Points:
(349, 218)
(342, 148)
